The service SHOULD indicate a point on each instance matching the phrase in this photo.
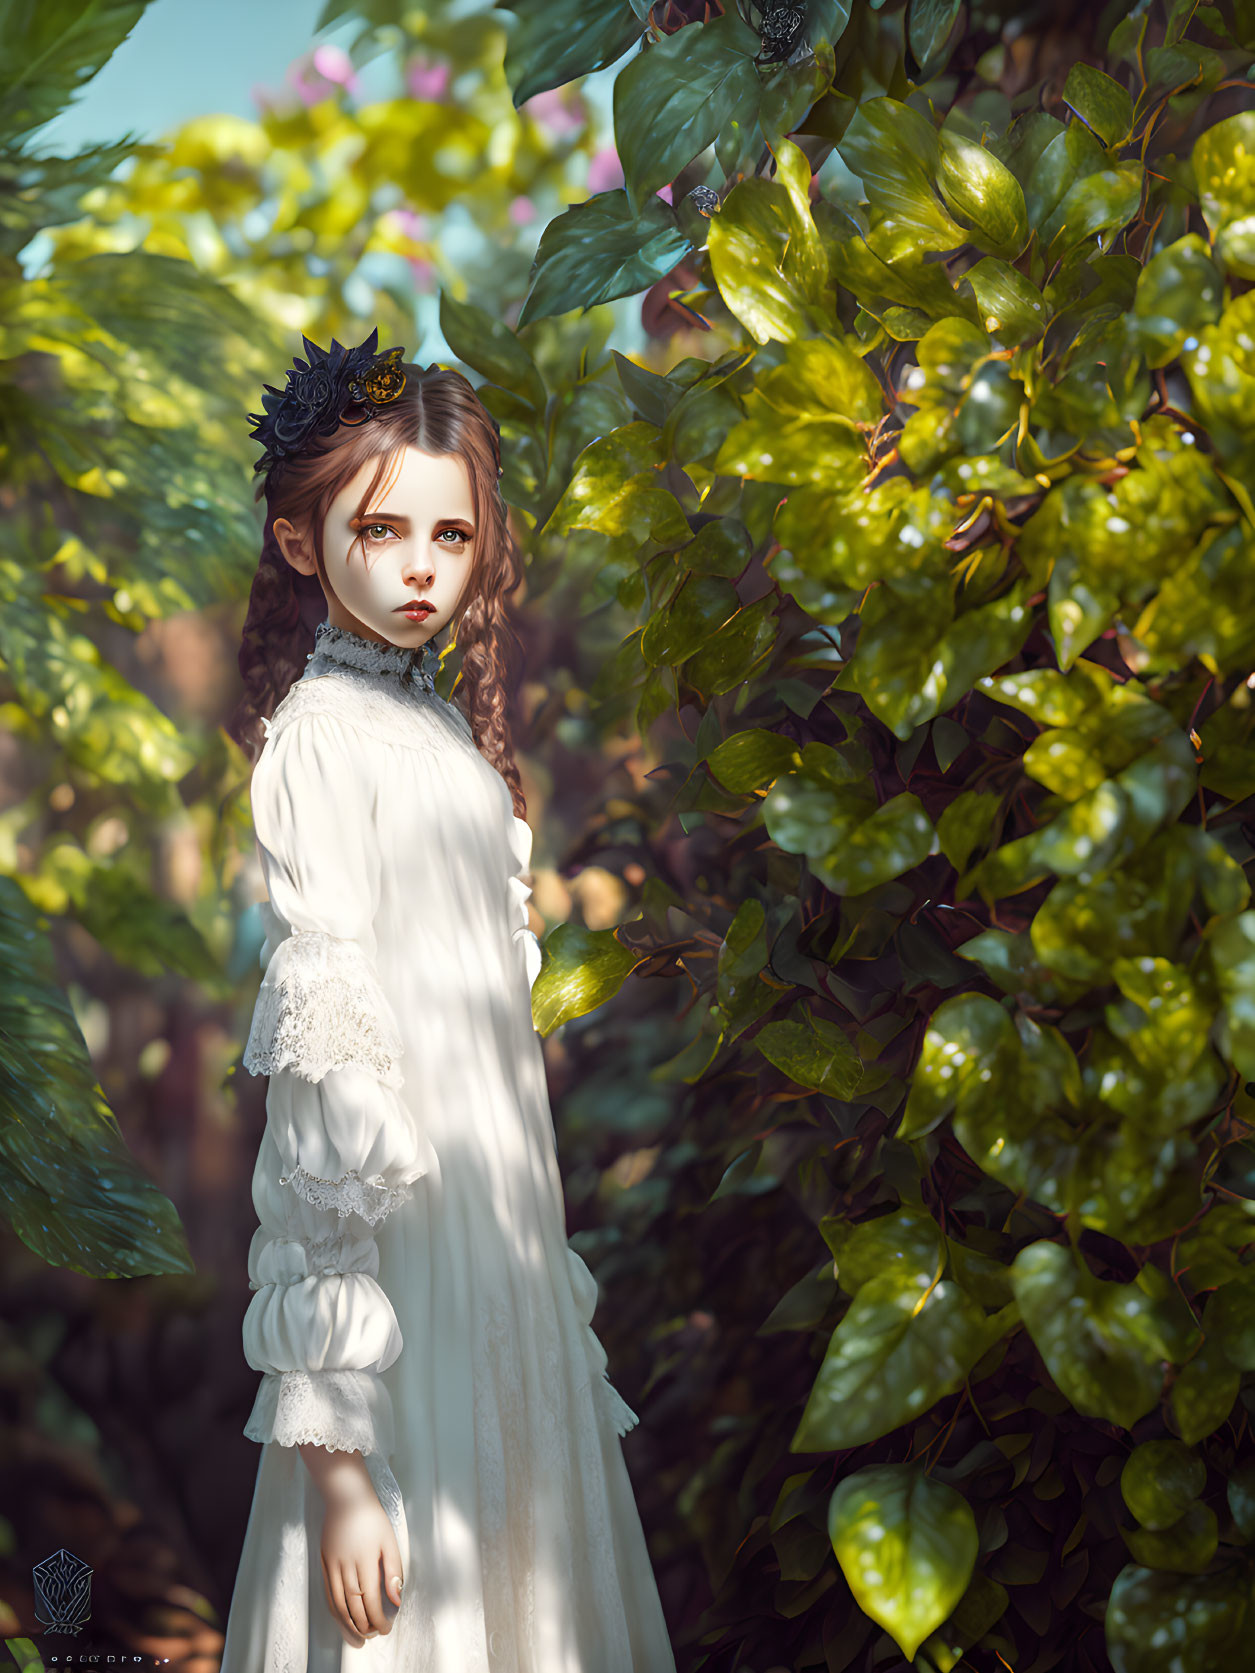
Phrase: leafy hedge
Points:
(944, 575)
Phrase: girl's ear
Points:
(295, 547)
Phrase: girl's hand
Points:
(359, 1555)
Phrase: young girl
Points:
(441, 1486)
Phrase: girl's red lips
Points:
(415, 606)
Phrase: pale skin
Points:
(415, 540)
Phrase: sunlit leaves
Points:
(616, 488)
(1178, 293)
(1172, 1623)
(1099, 1339)
(776, 298)
(1101, 103)
(748, 760)
(581, 969)
(1233, 957)
(1160, 1480)
(1224, 167)
(983, 194)
(908, 1339)
(896, 153)
(813, 1052)
(907, 1546)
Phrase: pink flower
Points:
(335, 64)
(412, 223)
(426, 81)
(522, 210)
(664, 192)
(552, 109)
(605, 171)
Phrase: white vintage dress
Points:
(416, 1298)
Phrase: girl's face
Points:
(413, 542)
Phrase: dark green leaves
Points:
(69, 1186)
(51, 49)
(907, 1546)
(673, 101)
(601, 249)
(552, 45)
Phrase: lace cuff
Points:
(320, 1007)
(609, 1401)
(374, 1199)
(345, 1411)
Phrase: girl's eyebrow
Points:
(399, 518)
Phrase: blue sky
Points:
(187, 58)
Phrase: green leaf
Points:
(1086, 1331)
(1232, 950)
(51, 50)
(900, 1348)
(1179, 292)
(1160, 1480)
(1224, 168)
(1011, 306)
(69, 1186)
(965, 1035)
(673, 101)
(599, 250)
(1101, 103)
(980, 190)
(929, 23)
(896, 153)
(701, 606)
(733, 651)
(549, 46)
(580, 969)
(1101, 202)
(1204, 1392)
(617, 489)
(908, 1241)
(748, 760)
(813, 1052)
(1231, 1322)
(1164, 1623)
(1187, 1547)
(485, 342)
(907, 1546)
(742, 955)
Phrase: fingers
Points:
(353, 1604)
(334, 1582)
(372, 1603)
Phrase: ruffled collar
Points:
(413, 669)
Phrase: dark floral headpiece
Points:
(337, 386)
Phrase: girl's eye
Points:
(372, 527)
(456, 533)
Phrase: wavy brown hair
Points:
(440, 413)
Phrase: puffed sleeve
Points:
(520, 891)
(341, 1149)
